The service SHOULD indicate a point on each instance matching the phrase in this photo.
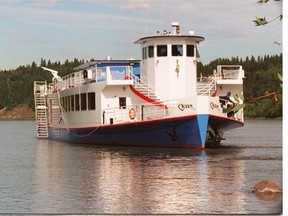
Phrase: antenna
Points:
(177, 28)
(54, 73)
(191, 33)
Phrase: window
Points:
(144, 52)
(77, 106)
(72, 102)
(122, 102)
(85, 74)
(177, 50)
(197, 53)
(62, 101)
(151, 51)
(68, 104)
(83, 101)
(91, 101)
(161, 50)
(190, 50)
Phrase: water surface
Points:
(44, 176)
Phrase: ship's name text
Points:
(182, 107)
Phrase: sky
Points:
(85, 29)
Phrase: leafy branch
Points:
(261, 21)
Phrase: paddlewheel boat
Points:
(157, 101)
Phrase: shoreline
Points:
(23, 112)
(20, 112)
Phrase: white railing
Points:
(233, 72)
(40, 87)
(230, 74)
(206, 86)
(147, 89)
(142, 112)
(109, 74)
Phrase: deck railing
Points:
(142, 113)
(147, 89)
(206, 87)
(230, 72)
(109, 74)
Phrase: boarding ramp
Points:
(40, 93)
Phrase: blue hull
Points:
(182, 132)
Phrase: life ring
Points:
(132, 113)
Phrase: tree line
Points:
(17, 84)
(261, 76)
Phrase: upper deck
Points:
(229, 74)
(109, 72)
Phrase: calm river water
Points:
(42, 176)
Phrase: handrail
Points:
(151, 90)
(230, 74)
(234, 72)
(207, 88)
(142, 112)
(77, 78)
(40, 87)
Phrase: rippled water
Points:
(44, 176)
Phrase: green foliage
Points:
(17, 85)
(262, 75)
(261, 21)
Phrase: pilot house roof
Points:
(198, 39)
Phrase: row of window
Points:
(162, 51)
(83, 102)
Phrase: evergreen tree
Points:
(261, 76)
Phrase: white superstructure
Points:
(157, 96)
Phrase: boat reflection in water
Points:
(102, 179)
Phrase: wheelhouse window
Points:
(190, 50)
(144, 52)
(197, 53)
(177, 50)
(91, 101)
(151, 51)
(161, 50)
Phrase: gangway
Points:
(40, 88)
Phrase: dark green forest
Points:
(261, 76)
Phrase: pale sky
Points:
(85, 29)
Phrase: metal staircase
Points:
(146, 90)
(206, 87)
(56, 116)
(40, 88)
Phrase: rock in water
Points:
(266, 185)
